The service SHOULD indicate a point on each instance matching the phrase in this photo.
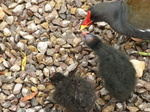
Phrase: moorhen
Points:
(127, 17)
(74, 93)
(114, 67)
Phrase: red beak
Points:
(87, 21)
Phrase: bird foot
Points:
(136, 39)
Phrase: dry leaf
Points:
(1, 73)
(139, 67)
(23, 61)
(29, 97)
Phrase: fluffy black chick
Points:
(72, 92)
(114, 67)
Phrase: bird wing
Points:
(139, 13)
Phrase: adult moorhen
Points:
(127, 17)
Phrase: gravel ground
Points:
(48, 32)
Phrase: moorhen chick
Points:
(74, 93)
(127, 17)
(114, 68)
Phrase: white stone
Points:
(65, 23)
(103, 91)
(101, 24)
(30, 110)
(12, 5)
(6, 32)
(34, 80)
(17, 88)
(46, 72)
(34, 8)
(22, 33)
(41, 10)
(28, 5)
(20, 1)
(29, 37)
(10, 97)
(15, 68)
(60, 41)
(42, 47)
(34, 1)
(10, 19)
(25, 92)
(72, 67)
(2, 47)
(81, 12)
(5, 63)
(32, 27)
(20, 45)
(48, 8)
(18, 9)
(76, 41)
(3, 25)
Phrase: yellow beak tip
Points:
(83, 27)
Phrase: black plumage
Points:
(127, 17)
(114, 67)
(74, 93)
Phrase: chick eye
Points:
(95, 16)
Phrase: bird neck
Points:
(109, 11)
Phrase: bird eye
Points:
(95, 16)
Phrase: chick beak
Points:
(87, 21)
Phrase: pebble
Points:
(34, 88)
(18, 9)
(13, 108)
(25, 92)
(10, 19)
(60, 41)
(34, 8)
(65, 23)
(63, 8)
(10, 97)
(103, 91)
(15, 68)
(100, 101)
(32, 27)
(108, 109)
(41, 87)
(6, 32)
(72, 67)
(21, 45)
(6, 104)
(46, 72)
(42, 47)
(17, 88)
(6, 64)
(34, 80)
(80, 12)
(3, 25)
(2, 47)
(2, 13)
(76, 41)
(45, 25)
(48, 8)
(132, 109)
(30, 110)
(30, 38)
